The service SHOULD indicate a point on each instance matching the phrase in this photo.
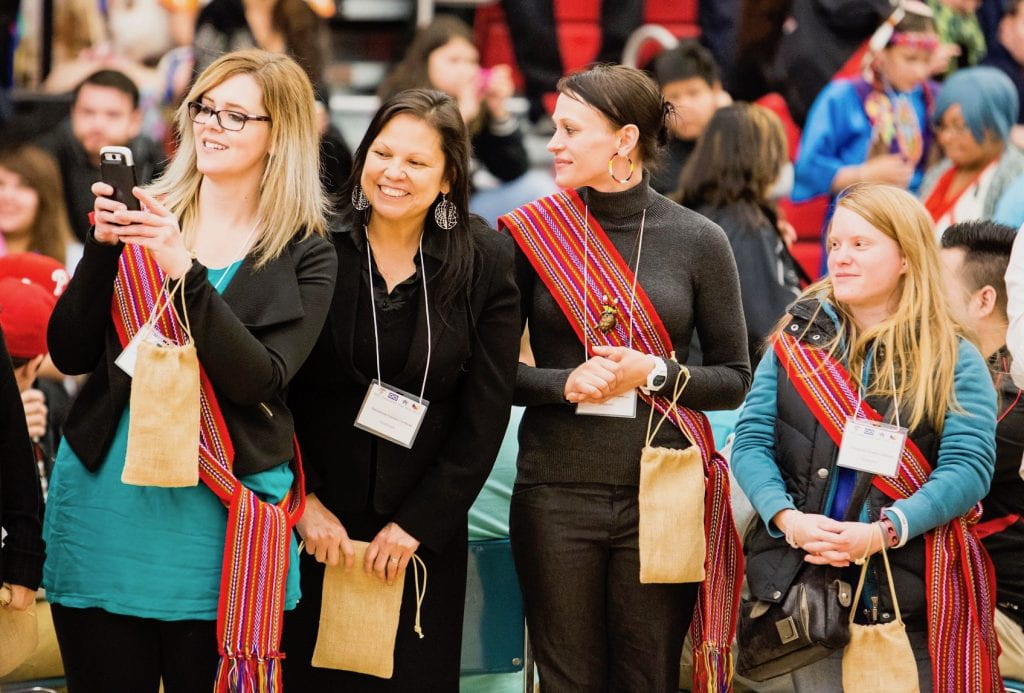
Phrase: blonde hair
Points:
(291, 198)
(917, 346)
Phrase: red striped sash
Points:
(550, 233)
(258, 538)
(959, 579)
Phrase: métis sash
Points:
(550, 232)
(258, 538)
(959, 578)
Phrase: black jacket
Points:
(806, 457)
(250, 342)
(21, 560)
(427, 490)
(1002, 524)
(768, 276)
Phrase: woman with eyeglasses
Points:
(149, 583)
(973, 117)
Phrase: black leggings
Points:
(106, 652)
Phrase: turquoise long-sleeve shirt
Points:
(960, 477)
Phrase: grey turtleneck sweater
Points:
(687, 270)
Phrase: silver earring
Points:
(445, 215)
(359, 200)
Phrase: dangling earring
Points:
(359, 200)
(611, 168)
(445, 215)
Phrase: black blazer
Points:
(428, 489)
(250, 342)
(21, 560)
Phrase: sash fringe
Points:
(258, 537)
(959, 581)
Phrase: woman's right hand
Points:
(104, 207)
(593, 380)
(802, 529)
(324, 534)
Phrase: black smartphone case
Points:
(121, 177)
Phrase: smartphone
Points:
(117, 169)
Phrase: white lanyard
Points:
(895, 398)
(632, 292)
(373, 304)
(237, 256)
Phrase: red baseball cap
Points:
(38, 269)
(25, 309)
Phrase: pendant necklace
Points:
(609, 318)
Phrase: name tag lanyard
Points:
(624, 405)
(872, 446)
(388, 412)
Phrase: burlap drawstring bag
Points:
(359, 617)
(19, 633)
(163, 428)
(672, 543)
(879, 657)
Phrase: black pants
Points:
(593, 626)
(430, 664)
(106, 652)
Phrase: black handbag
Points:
(809, 624)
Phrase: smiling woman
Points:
(872, 349)
(426, 311)
(238, 220)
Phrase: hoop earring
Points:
(445, 214)
(359, 200)
(611, 168)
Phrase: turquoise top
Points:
(143, 551)
(960, 476)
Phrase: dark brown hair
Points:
(411, 72)
(625, 96)
(303, 36)
(440, 112)
(736, 159)
(50, 232)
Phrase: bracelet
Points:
(892, 537)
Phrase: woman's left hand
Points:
(156, 230)
(389, 553)
(855, 541)
(634, 367)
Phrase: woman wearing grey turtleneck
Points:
(574, 514)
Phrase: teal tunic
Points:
(143, 551)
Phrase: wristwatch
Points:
(656, 378)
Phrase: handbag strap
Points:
(888, 574)
(677, 391)
(164, 300)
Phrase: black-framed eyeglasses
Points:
(228, 120)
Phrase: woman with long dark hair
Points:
(426, 305)
(733, 176)
(442, 56)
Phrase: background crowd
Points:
(773, 110)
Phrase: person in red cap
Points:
(21, 545)
(30, 284)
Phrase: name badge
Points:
(391, 414)
(872, 446)
(622, 406)
(127, 358)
